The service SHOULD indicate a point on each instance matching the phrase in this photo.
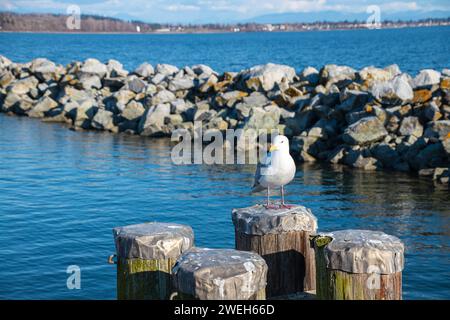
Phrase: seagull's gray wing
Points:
(260, 166)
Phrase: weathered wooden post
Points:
(282, 238)
(359, 265)
(220, 274)
(146, 254)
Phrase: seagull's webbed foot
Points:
(287, 206)
(271, 206)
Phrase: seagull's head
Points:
(280, 143)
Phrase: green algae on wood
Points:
(139, 279)
(358, 265)
(146, 254)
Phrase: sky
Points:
(225, 11)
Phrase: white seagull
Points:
(277, 170)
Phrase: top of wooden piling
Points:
(257, 220)
(153, 240)
(217, 274)
(362, 251)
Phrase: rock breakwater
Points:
(374, 118)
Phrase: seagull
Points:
(277, 170)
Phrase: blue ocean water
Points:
(412, 49)
(62, 192)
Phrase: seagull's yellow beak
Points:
(273, 148)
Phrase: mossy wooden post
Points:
(220, 274)
(146, 254)
(359, 265)
(282, 238)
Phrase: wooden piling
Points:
(359, 265)
(146, 254)
(220, 274)
(282, 238)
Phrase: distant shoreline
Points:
(218, 31)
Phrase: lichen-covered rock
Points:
(264, 77)
(371, 75)
(411, 126)
(397, 90)
(426, 78)
(365, 131)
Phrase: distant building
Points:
(268, 27)
(163, 30)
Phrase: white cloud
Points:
(400, 6)
(182, 7)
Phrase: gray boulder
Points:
(332, 73)
(44, 105)
(45, 70)
(365, 131)
(104, 120)
(23, 86)
(266, 117)
(89, 81)
(426, 78)
(115, 69)
(94, 67)
(411, 126)
(166, 69)
(162, 96)
(152, 122)
(132, 111)
(438, 129)
(266, 76)
(145, 70)
(371, 75)
(311, 75)
(136, 85)
(397, 90)
(203, 71)
(184, 83)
